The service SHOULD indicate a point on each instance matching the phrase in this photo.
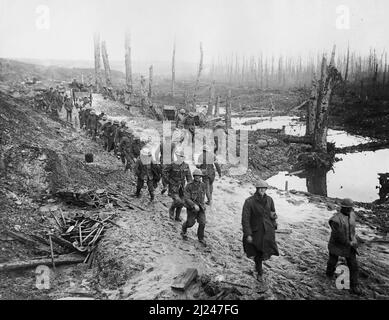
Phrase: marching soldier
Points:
(343, 243)
(160, 158)
(175, 175)
(105, 130)
(145, 171)
(111, 136)
(207, 162)
(190, 124)
(194, 195)
(180, 119)
(120, 131)
(69, 108)
(259, 225)
(92, 124)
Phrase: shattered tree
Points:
(198, 76)
(173, 68)
(311, 111)
(128, 62)
(228, 110)
(211, 98)
(150, 93)
(98, 81)
(329, 79)
(107, 68)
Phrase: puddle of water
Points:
(295, 127)
(356, 177)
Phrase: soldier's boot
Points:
(137, 193)
(355, 289)
(171, 212)
(178, 212)
(152, 196)
(183, 232)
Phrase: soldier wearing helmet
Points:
(343, 243)
(194, 195)
(92, 124)
(119, 134)
(259, 225)
(111, 136)
(176, 174)
(68, 104)
(100, 124)
(145, 170)
(165, 157)
(180, 119)
(105, 131)
(207, 162)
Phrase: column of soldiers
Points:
(50, 101)
(189, 190)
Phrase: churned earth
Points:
(140, 259)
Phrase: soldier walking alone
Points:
(343, 243)
(259, 225)
(194, 195)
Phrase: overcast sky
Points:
(224, 26)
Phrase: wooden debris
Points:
(60, 260)
(284, 231)
(26, 240)
(184, 280)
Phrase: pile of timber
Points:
(96, 198)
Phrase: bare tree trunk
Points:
(150, 93)
(311, 110)
(98, 81)
(173, 68)
(217, 106)
(107, 68)
(347, 65)
(143, 93)
(385, 70)
(330, 78)
(211, 99)
(128, 63)
(198, 76)
(228, 110)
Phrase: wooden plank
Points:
(26, 240)
(62, 242)
(183, 281)
(284, 231)
(60, 260)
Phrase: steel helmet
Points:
(105, 117)
(180, 153)
(197, 172)
(347, 203)
(122, 122)
(93, 112)
(146, 152)
(206, 148)
(261, 184)
(182, 111)
(116, 122)
(219, 124)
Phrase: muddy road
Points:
(141, 259)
